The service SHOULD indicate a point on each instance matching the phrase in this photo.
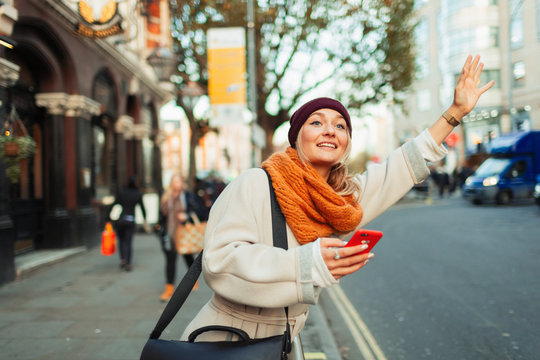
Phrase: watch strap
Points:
(450, 119)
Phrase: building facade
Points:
(506, 34)
(76, 76)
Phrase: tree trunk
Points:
(269, 148)
(270, 123)
(193, 142)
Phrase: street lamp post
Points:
(511, 111)
(162, 60)
(252, 73)
(190, 95)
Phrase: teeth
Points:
(333, 146)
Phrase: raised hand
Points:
(466, 95)
(467, 92)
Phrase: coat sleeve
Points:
(384, 184)
(240, 262)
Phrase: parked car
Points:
(509, 173)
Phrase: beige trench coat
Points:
(252, 280)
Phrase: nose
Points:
(329, 130)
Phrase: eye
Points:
(315, 122)
(341, 126)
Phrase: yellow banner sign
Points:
(227, 74)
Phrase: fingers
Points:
(471, 68)
(467, 91)
(331, 242)
(486, 87)
(477, 73)
(347, 266)
(345, 252)
(467, 65)
(474, 66)
(342, 260)
(343, 264)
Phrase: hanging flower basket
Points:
(18, 147)
(13, 149)
(15, 146)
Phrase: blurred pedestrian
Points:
(177, 207)
(252, 280)
(128, 198)
(443, 181)
(208, 190)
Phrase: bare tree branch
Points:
(370, 48)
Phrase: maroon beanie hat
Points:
(300, 116)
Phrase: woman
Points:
(252, 281)
(176, 209)
(128, 198)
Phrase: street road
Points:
(448, 281)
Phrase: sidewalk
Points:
(77, 304)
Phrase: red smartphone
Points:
(367, 237)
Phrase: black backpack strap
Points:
(279, 229)
(279, 232)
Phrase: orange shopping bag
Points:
(108, 240)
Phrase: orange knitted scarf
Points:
(311, 207)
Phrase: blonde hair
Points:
(339, 178)
(168, 192)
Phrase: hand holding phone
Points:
(365, 237)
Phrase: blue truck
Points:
(509, 173)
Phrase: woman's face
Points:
(177, 184)
(324, 138)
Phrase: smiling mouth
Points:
(327, 145)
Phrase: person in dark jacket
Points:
(128, 198)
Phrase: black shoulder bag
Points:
(271, 348)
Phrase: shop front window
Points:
(147, 148)
(104, 157)
(100, 163)
(147, 152)
(518, 74)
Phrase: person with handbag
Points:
(252, 280)
(178, 207)
(265, 277)
(128, 198)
